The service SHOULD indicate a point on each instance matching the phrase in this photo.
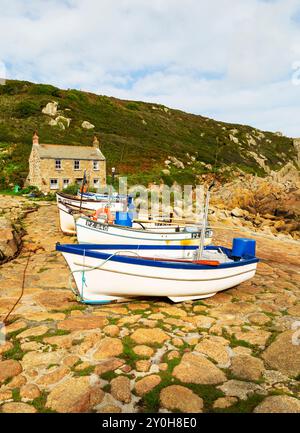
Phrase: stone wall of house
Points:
(48, 171)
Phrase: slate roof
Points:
(67, 151)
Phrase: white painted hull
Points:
(93, 232)
(66, 218)
(117, 279)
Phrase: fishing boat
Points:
(69, 205)
(105, 273)
(92, 231)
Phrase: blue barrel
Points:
(242, 247)
(123, 219)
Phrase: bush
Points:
(133, 106)
(71, 189)
(27, 109)
(44, 89)
(13, 87)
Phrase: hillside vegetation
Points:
(135, 137)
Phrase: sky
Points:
(232, 60)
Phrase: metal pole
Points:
(204, 225)
(82, 191)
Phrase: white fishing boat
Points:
(104, 273)
(69, 205)
(92, 231)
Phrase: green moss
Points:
(108, 375)
(16, 394)
(39, 403)
(243, 406)
(15, 352)
(85, 372)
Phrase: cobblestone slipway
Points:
(236, 352)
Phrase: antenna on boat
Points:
(84, 181)
(204, 224)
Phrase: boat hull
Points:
(93, 232)
(134, 277)
(66, 204)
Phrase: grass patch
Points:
(39, 403)
(85, 372)
(15, 352)
(243, 406)
(16, 394)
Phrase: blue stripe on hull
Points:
(88, 250)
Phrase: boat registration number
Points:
(196, 235)
(96, 225)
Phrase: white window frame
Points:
(95, 165)
(58, 164)
(75, 161)
(51, 184)
(66, 183)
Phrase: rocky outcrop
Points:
(10, 240)
(87, 125)
(50, 109)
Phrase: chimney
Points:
(35, 138)
(96, 143)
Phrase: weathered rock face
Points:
(74, 396)
(149, 336)
(87, 125)
(178, 397)
(146, 384)
(199, 370)
(247, 367)
(9, 369)
(108, 348)
(50, 109)
(120, 389)
(10, 240)
(283, 355)
(279, 404)
(18, 408)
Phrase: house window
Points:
(53, 183)
(66, 183)
(96, 165)
(58, 164)
(96, 183)
(76, 164)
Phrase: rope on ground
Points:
(32, 249)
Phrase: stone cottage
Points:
(53, 167)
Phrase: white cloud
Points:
(229, 59)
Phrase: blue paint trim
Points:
(95, 302)
(89, 251)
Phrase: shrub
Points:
(27, 109)
(71, 189)
(133, 106)
(44, 89)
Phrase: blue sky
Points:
(232, 60)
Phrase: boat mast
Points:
(204, 224)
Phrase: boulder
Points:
(50, 109)
(87, 125)
(283, 354)
(199, 370)
(10, 240)
(278, 404)
(75, 395)
(177, 397)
